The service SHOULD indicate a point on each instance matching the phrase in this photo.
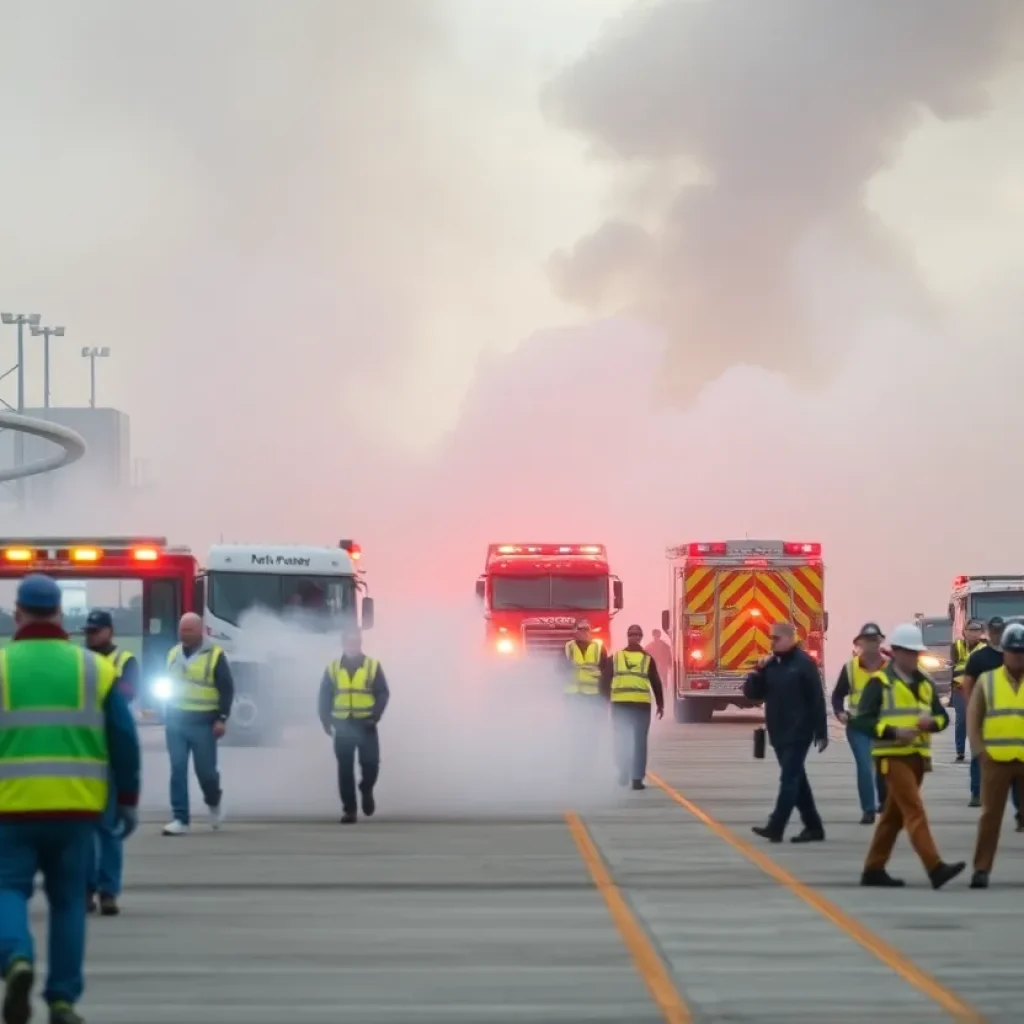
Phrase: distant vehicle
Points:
(725, 596)
(532, 595)
(982, 597)
(937, 631)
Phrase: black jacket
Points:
(794, 699)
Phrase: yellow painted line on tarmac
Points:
(648, 963)
(883, 951)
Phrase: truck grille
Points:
(545, 639)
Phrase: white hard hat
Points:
(908, 636)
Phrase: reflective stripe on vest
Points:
(857, 676)
(353, 692)
(1002, 730)
(631, 678)
(901, 710)
(963, 652)
(118, 659)
(53, 739)
(587, 664)
(192, 676)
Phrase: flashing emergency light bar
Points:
(65, 549)
(354, 550)
(548, 549)
(721, 548)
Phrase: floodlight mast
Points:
(92, 354)
(46, 333)
(19, 320)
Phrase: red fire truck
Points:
(532, 595)
(144, 583)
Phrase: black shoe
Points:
(960, 758)
(979, 880)
(64, 1013)
(348, 818)
(867, 818)
(369, 804)
(809, 835)
(766, 833)
(19, 979)
(108, 905)
(638, 784)
(90, 903)
(975, 801)
(945, 873)
(879, 878)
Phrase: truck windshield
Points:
(549, 593)
(997, 602)
(937, 633)
(231, 594)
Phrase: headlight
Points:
(930, 661)
(162, 688)
(505, 646)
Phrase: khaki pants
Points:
(997, 777)
(903, 810)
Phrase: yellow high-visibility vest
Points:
(631, 678)
(53, 738)
(1002, 730)
(118, 659)
(192, 676)
(587, 667)
(857, 676)
(963, 652)
(353, 692)
(901, 709)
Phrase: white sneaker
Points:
(216, 816)
(176, 828)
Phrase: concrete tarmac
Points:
(655, 906)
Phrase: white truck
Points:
(983, 598)
(275, 609)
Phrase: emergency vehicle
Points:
(312, 588)
(532, 595)
(983, 597)
(725, 597)
(164, 575)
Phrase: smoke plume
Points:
(745, 134)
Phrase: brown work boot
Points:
(108, 905)
(945, 873)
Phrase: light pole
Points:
(46, 333)
(19, 320)
(92, 354)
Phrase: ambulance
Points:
(725, 597)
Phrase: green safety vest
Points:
(1002, 730)
(192, 676)
(857, 676)
(586, 668)
(53, 737)
(353, 692)
(963, 652)
(631, 678)
(901, 709)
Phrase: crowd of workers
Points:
(890, 710)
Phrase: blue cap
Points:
(38, 593)
(98, 619)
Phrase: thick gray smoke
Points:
(747, 132)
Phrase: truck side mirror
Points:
(666, 621)
(367, 613)
(481, 588)
(824, 623)
(199, 595)
(617, 595)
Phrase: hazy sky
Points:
(728, 266)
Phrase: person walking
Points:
(995, 720)
(106, 855)
(849, 686)
(959, 652)
(196, 718)
(900, 709)
(660, 650)
(629, 682)
(66, 738)
(354, 694)
(789, 685)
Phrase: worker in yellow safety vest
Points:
(66, 738)
(900, 709)
(585, 660)
(202, 692)
(845, 697)
(959, 652)
(353, 696)
(628, 682)
(996, 726)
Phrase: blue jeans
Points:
(60, 850)
(870, 782)
(956, 702)
(976, 787)
(794, 790)
(106, 854)
(192, 738)
(631, 724)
